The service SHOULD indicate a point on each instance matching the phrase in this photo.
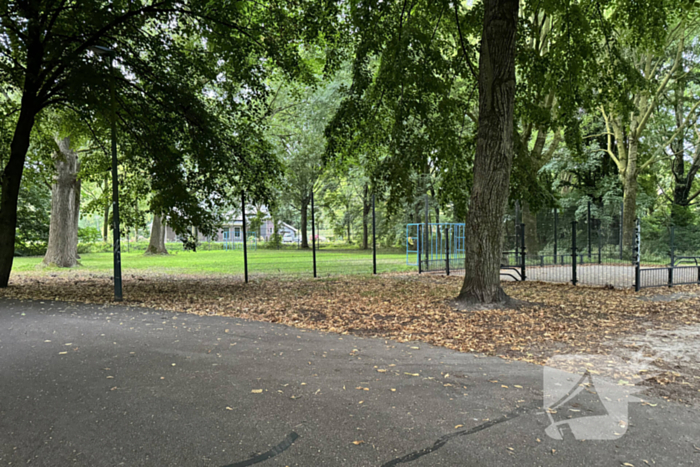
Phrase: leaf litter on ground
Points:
(549, 319)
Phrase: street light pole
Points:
(109, 53)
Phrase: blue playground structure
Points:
(434, 244)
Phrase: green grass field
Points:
(260, 262)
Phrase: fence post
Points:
(374, 239)
(673, 245)
(447, 249)
(637, 256)
(313, 231)
(589, 232)
(574, 280)
(245, 250)
(600, 242)
(556, 222)
(673, 256)
(427, 233)
(420, 261)
(522, 252)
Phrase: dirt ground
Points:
(657, 330)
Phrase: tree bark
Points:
(62, 250)
(681, 214)
(494, 154)
(630, 188)
(156, 245)
(304, 218)
(10, 181)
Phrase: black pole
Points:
(589, 233)
(374, 239)
(427, 233)
(637, 256)
(673, 256)
(673, 246)
(516, 223)
(115, 191)
(313, 231)
(522, 252)
(245, 239)
(556, 234)
(447, 250)
(420, 241)
(600, 242)
(574, 279)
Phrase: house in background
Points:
(232, 230)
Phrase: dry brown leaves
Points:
(558, 319)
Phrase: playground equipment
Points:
(435, 245)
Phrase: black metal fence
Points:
(586, 245)
(334, 236)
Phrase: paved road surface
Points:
(107, 386)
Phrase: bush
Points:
(37, 248)
(94, 247)
(89, 235)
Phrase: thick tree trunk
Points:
(630, 188)
(347, 220)
(156, 245)
(681, 214)
(10, 183)
(494, 154)
(62, 250)
(304, 218)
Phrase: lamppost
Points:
(109, 53)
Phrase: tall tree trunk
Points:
(105, 222)
(681, 214)
(156, 245)
(304, 219)
(11, 179)
(62, 250)
(347, 221)
(630, 188)
(494, 154)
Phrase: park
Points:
(353, 233)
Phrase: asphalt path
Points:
(95, 385)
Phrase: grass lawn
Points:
(219, 262)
